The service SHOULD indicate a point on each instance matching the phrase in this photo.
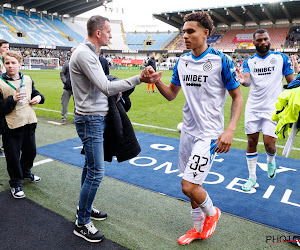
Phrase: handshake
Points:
(149, 75)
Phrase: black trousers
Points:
(20, 151)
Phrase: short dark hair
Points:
(203, 19)
(2, 41)
(95, 23)
(260, 31)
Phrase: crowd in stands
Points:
(162, 59)
(293, 38)
(63, 55)
(280, 38)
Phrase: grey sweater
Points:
(90, 85)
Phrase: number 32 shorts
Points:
(195, 157)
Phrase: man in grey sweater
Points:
(90, 90)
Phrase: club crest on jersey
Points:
(186, 64)
(273, 61)
(207, 66)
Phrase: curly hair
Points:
(202, 18)
(259, 31)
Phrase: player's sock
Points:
(148, 85)
(198, 218)
(270, 157)
(153, 87)
(208, 207)
(251, 162)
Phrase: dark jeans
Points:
(16, 141)
(90, 129)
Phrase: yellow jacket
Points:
(287, 111)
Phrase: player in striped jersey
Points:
(264, 72)
(205, 75)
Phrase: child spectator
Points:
(18, 122)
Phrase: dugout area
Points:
(137, 218)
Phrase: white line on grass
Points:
(51, 110)
(55, 123)
(42, 162)
(169, 129)
(150, 126)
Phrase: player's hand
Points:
(240, 76)
(35, 100)
(149, 75)
(147, 71)
(293, 59)
(224, 142)
(19, 96)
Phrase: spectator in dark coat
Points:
(67, 91)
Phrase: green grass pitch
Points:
(149, 109)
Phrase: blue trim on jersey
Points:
(263, 57)
(175, 77)
(246, 66)
(212, 148)
(228, 73)
(287, 65)
(228, 68)
(208, 50)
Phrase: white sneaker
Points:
(17, 192)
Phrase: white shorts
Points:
(259, 122)
(195, 157)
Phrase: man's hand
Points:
(295, 64)
(224, 141)
(149, 75)
(35, 100)
(240, 76)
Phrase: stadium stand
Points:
(77, 24)
(221, 39)
(147, 41)
(23, 29)
(293, 37)
(118, 41)
(230, 39)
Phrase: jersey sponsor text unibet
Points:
(266, 80)
(204, 81)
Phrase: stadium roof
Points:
(61, 7)
(257, 13)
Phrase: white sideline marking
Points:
(55, 123)
(150, 126)
(51, 110)
(169, 129)
(42, 162)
